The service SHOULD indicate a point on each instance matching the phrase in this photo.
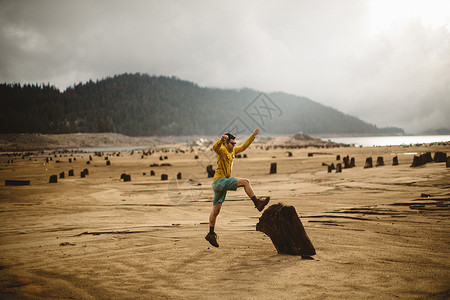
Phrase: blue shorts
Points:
(221, 186)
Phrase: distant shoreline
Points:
(40, 142)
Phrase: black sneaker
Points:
(212, 239)
(262, 202)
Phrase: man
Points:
(226, 150)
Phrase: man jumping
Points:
(223, 182)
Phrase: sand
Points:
(98, 237)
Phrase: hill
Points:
(143, 105)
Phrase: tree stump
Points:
(152, 173)
(338, 157)
(179, 176)
(368, 163)
(440, 157)
(53, 179)
(86, 172)
(273, 168)
(428, 157)
(352, 162)
(210, 171)
(338, 168)
(346, 161)
(395, 161)
(164, 177)
(418, 161)
(82, 175)
(329, 169)
(332, 166)
(380, 161)
(16, 182)
(70, 172)
(108, 162)
(447, 164)
(61, 175)
(282, 224)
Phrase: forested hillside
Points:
(143, 105)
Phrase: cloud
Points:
(325, 50)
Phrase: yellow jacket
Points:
(225, 158)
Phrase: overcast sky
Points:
(384, 61)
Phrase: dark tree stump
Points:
(53, 179)
(338, 157)
(338, 168)
(244, 155)
(428, 157)
(332, 166)
(196, 157)
(395, 161)
(352, 162)
(418, 161)
(380, 161)
(210, 171)
(346, 161)
(329, 169)
(86, 172)
(273, 168)
(17, 182)
(179, 176)
(61, 175)
(164, 177)
(90, 157)
(282, 224)
(447, 164)
(440, 157)
(310, 154)
(88, 162)
(108, 162)
(82, 175)
(70, 172)
(152, 173)
(122, 176)
(368, 163)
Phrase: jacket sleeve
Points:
(217, 146)
(245, 145)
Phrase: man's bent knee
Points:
(243, 182)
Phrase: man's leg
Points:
(259, 203)
(211, 237)
(214, 213)
(244, 182)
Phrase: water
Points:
(373, 141)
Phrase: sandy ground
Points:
(101, 238)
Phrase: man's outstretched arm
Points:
(248, 141)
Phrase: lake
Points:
(373, 141)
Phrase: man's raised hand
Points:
(224, 137)
(256, 132)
